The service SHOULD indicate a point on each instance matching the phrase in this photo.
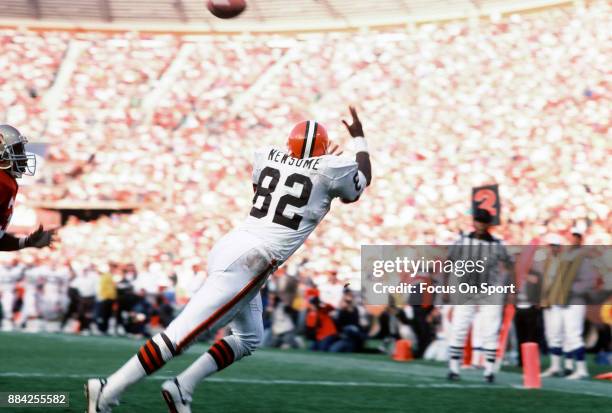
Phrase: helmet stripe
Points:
(305, 140)
(311, 127)
(314, 138)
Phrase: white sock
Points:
(453, 365)
(489, 364)
(477, 357)
(128, 374)
(203, 367)
(569, 363)
(489, 367)
(555, 362)
(581, 367)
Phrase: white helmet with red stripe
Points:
(308, 139)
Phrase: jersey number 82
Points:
(266, 193)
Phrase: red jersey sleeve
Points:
(8, 192)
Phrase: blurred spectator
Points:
(351, 335)
(107, 295)
(282, 332)
(86, 284)
(139, 315)
(423, 323)
(320, 325)
(164, 310)
(73, 299)
(125, 291)
(389, 324)
(9, 276)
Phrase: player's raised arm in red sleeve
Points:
(362, 156)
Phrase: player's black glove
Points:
(355, 128)
(40, 238)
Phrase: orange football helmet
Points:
(308, 139)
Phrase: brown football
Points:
(226, 9)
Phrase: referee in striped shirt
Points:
(478, 245)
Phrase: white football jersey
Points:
(9, 276)
(293, 195)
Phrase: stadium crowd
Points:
(170, 124)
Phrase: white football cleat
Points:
(551, 372)
(93, 394)
(578, 375)
(176, 398)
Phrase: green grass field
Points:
(285, 381)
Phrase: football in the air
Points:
(226, 9)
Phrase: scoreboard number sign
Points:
(487, 198)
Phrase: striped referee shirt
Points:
(492, 252)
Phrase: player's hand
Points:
(355, 128)
(334, 149)
(40, 238)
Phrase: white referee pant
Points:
(490, 320)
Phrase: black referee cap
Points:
(482, 215)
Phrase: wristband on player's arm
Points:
(362, 157)
(359, 144)
(10, 242)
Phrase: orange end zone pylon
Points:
(531, 366)
(604, 376)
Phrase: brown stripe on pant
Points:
(224, 309)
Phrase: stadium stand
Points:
(172, 121)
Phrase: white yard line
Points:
(330, 383)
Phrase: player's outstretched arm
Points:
(362, 156)
(38, 239)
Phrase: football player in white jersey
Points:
(293, 192)
(9, 276)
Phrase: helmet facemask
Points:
(15, 159)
